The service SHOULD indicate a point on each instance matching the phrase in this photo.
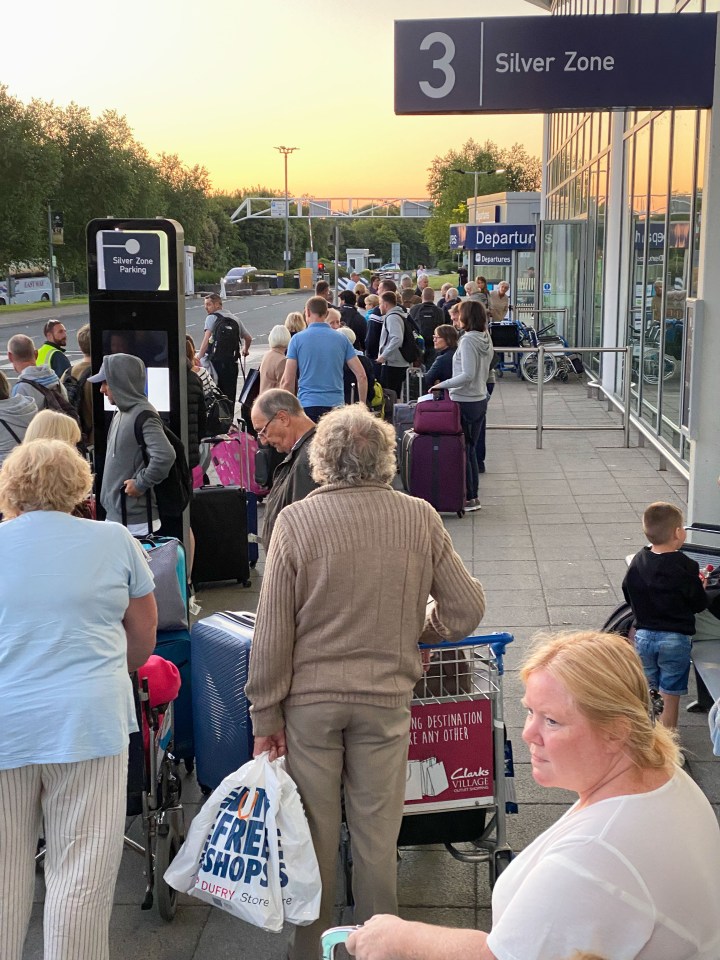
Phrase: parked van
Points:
(25, 290)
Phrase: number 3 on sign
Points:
(442, 63)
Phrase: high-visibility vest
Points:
(45, 354)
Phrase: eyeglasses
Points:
(262, 432)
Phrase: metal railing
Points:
(539, 426)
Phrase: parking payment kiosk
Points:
(137, 306)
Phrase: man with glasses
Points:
(281, 422)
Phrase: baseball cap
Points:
(100, 376)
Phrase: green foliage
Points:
(450, 191)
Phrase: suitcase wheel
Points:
(245, 583)
(461, 513)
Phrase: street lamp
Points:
(476, 174)
(286, 151)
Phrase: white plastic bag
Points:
(299, 871)
(230, 857)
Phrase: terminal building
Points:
(628, 252)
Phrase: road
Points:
(259, 314)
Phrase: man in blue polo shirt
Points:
(316, 357)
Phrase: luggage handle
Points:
(243, 617)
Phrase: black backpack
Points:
(225, 339)
(54, 400)
(413, 345)
(174, 492)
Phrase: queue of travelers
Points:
(330, 695)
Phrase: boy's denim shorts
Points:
(665, 658)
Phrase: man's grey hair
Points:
(452, 293)
(21, 347)
(354, 447)
(271, 402)
(279, 336)
(405, 282)
(428, 295)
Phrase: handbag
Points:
(166, 557)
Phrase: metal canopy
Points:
(260, 208)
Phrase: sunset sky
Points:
(223, 82)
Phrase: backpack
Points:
(75, 386)
(376, 400)
(413, 345)
(174, 492)
(54, 400)
(225, 339)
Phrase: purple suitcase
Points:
(437, 416)
(433, 468)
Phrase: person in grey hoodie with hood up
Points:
(393, 364)
(122, 380)
(15, 416)
(468, 385)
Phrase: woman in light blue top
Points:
(468, 385)
(77, 612)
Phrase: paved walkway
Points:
(548, 546)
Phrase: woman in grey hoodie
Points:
(15, 416)
(468, 385)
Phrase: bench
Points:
(706, 658)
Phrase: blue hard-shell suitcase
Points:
(223, 731)
(175, 645)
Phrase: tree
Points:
(449, 191)
(28, 170)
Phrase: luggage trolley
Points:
(456, 759)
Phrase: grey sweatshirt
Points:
(123, 457)
(42, 375)
(17, 412)
(391, 338)
(471, 365)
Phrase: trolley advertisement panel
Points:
(450, 758)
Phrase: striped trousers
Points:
(83, 807)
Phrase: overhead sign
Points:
(543, 64)
(492, 236)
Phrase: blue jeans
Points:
(665, 658)
(472, 415)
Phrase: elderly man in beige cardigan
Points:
(335, 653)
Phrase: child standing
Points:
(664, 588)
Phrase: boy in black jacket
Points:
(664, 588)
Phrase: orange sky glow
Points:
(224, 82)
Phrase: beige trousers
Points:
(83, 806)
(364, 749)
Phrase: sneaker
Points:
(481, 466)
(473, 504)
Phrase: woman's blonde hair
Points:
(43, 475)
(53, 425)
(295, 322)
(372, 300)
(604, 676)
(353, 446)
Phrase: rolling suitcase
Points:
(403, 418)
(174, 645)
(433, 469)
(222, 727)
(234, 461)
(413, 384)
(219, 519)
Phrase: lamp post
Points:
(476, 174)
(286, 151)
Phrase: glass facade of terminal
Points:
(662, 157)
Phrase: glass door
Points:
(561, 276)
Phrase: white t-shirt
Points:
(629, 878)
(65, 692)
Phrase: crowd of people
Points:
(350, 565)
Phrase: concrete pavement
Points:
(548, 546)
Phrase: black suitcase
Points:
(219, 519)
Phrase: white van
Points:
(26, 290)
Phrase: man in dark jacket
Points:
(281, 422)
(427, 317)
(351, 317)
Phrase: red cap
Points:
(163, 679)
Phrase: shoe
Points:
(473, 504)
(696, 707)
(481, 467)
